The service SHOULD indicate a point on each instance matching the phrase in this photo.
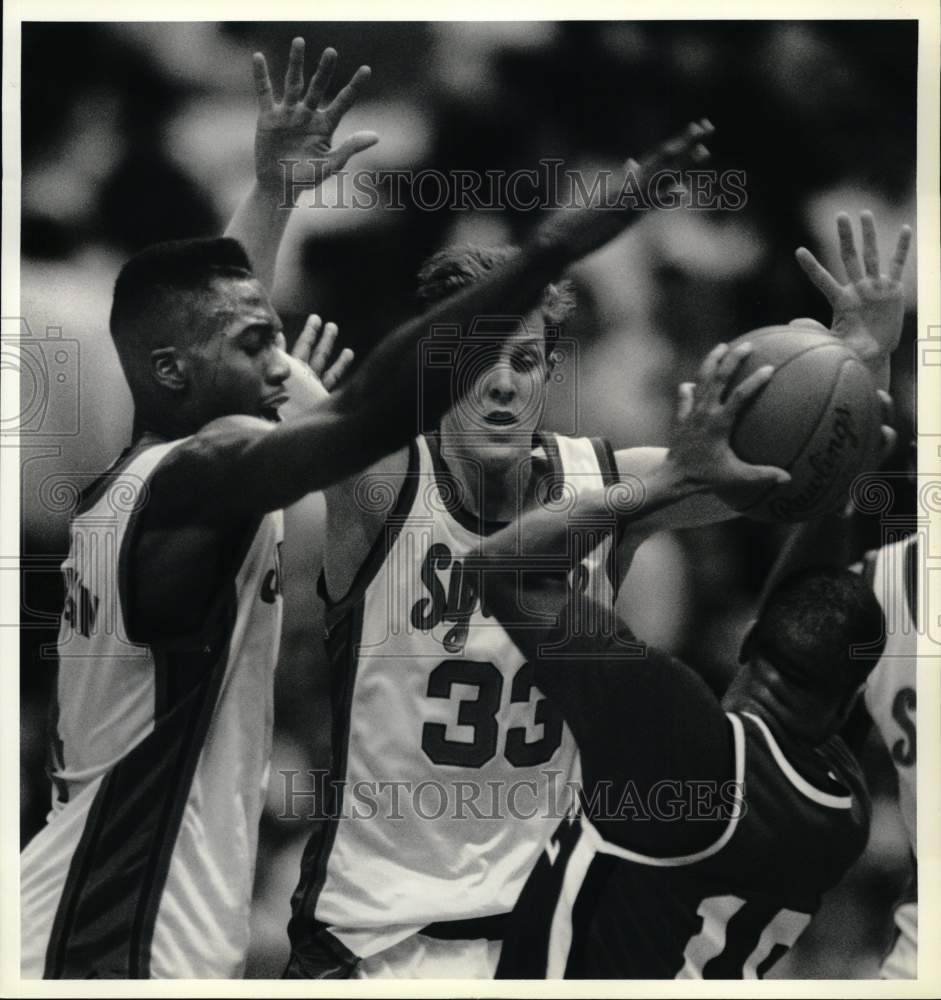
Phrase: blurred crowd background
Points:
(134, 133)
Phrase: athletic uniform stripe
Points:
(162, 789)
(607, 462)
(911, 579)
(738, 811)
(342, 643)
(336, 610)
(795, 778)
(561, 931)
(117, 876)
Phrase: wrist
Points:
(675, 481)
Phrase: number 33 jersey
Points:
(450, 769)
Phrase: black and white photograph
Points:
(471, 496)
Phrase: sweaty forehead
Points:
(233, 298)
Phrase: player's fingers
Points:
(262, 82)
(320, 81)
(901, 253)
(307, 339)
(342, 103)
(685, 397)
(770, 474)
(870, 244)
(356, 143)
(675, 150)
(806, 323)
(748, 388)
(338, 369)
(848, 247)
(887, 443)
(710, 362)
(294, 77)
(714, 392)
(888, 407)
(820, 277)
(323, 350)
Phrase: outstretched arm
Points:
(869, 307)
(251, 467)
(293, 150)
(526, 563)
(867, 315)
(868, 310)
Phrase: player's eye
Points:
(255, 343)
(524, 361)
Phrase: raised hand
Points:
(869, 307)
(580, 231)
(294, 136)
(313, 377)
(701, 451)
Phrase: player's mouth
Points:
(270, 406)
(500, 418)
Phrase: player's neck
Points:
(496, 492)
(167, 425)
(750, 692)
(491, 490)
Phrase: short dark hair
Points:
(823, 628)
(168, 269)
(464, 264)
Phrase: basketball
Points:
(818, 417)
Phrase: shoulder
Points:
(195, 468)
(215, 441)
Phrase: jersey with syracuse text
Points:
(453, 766)
(891, 700)
(159, 763)
(594, 909)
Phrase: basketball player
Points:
(172, 619)
(424, 691)
(706, 833)
(370, 898)
(873, 306)
(456, 702)
(890, 694)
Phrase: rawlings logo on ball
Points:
(824, 463)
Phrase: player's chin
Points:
(270, 413)
(495, 446)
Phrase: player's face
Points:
(241, 368)
(805, 711)
(508, 382)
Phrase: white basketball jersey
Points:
(891, 698)
(453, 766)
(890, 691)
(146, 865)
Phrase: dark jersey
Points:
(702, 844)
(595, 908)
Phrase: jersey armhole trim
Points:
(130, 531)
(603, 847)
(794, 777)
(394, 521)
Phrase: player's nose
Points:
(278, 368)
(500, 386)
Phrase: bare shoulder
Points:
(357, 508)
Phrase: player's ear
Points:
(168, 368)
